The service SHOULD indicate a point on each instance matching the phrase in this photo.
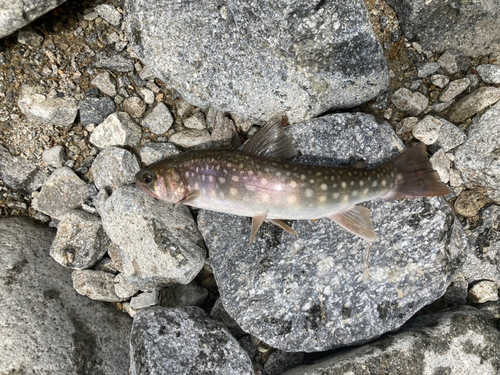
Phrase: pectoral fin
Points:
(256, 224)
(191, 197)
(356, 220)
(282, 225)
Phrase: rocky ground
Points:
(80, 114)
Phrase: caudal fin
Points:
(415, 176)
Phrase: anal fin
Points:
(282, 225)
(356, 219)
(256, 224)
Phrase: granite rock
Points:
(135, 106)
(456, 294)
(114, 167)
(459, 340)
(47, 328)
(62, 192)
(454, 89)
(177, 341)
(97, 285)
(123, 289)
(327, 288)
(109, 13)
(409, 102)
(196, 121)
(219, 312)
(279, 362)
(477, 158)
(118, 129)
(121, 63)
(440, 80)
(483, 291)
(453, 61)
(427, 129)
(105, 82)
(153, 152)
(159, 245)
(489, 73)
(159, 120)
(54, 156)
(260, 59)
(144, 300)
(449, 136)
(473, 103)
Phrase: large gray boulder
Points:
(18, 13)
(472, 27)
(46, 327)
(326, 288)
(258, 59)
(455, 341)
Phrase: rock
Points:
(469, 203)
(96, 285)
(148, 96)
(123, 289)
(453, 61)
(454, 89)
(159, 120)
(192, 139)
(219, 312)
(442, 165)
(80, 241)
(114, 254)
(477, 158)
(474, 103)
(491, 310)
(430, 344)
(471, 27)
(456, 294)
(107, 265)
(47, 328)
(50, 110)
(450, 136)
(179, 295)
(489, 73)
(17, 14)
(62, 192)
(427, 129)
(29, 37)
(144, 300)
(184, 109)
(483, 261)
(20, 174)
(153, 152)
(135, 106)
(483, 291)
(158, 245)
(109, 14)
(439, 80)
(114, 167)
(293, 291)
(120, 63)
(54, 157)
(243, 126)
(279, 362)
(410, 102)
(248, 346)
(317, 57)
(95, 110)
(426, 69)
(104, 81)
(196, 121)
(183, 339)
(118, 129)
(406, 125)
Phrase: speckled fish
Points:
(259, 183)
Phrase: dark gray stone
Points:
(327, 288)
(456, 294)
(219, 312)
(472, 27)
(456, 341)
(121, 63)
(95, 110)
(259, 59)
(279, 362)
(47, 328)
(179, 295)
(181, 341)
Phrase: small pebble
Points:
(483, 291)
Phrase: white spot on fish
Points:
(309, 193)
(384, 182)
(293, 184)
(186, 174)
(278, 174)
(197, 169)
(263, 181)
(266, 169)
(292, 199)
(344, 185)
(375, 183)
(354, 193)
(222, 180)
(318, 174)
(361, 183)
(324, 187)
(235, 178)
(210, 178)
(222, 195)
(233, 191)
(322, 198)
(302, 176)
(203, 177)
(250, 187)
(196, 186)
(349, 174)
(288, 173)
(335, 195)
(250, 172)
(311, 181)
(345, 198)
(365, 191)
(392, 174)
(352, 183)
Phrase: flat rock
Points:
(114, 167)
(80, 241)
(471, 27)
(97, 285)
(19, 174)
(473, 103)
(454, 89)
(144, 300)
(260, 59)
(153, 152)
(17, 14)
(489, 73)
(47, 328)
(118, 129)
(326, 288)
(477, 158)
(158, 245)
(409, 102)
(54, 111)
(105, 82)
(62, 192)
(159, 120)
(176, 341)
(455, 341)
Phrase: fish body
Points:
(257, 182)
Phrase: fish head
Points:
(165, 184)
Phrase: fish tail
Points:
(414, 175)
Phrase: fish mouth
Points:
(146, 190)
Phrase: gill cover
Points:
(170, 187)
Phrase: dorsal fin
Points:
(271, 141)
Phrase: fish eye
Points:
(147, 177)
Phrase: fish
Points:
(259, 182)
